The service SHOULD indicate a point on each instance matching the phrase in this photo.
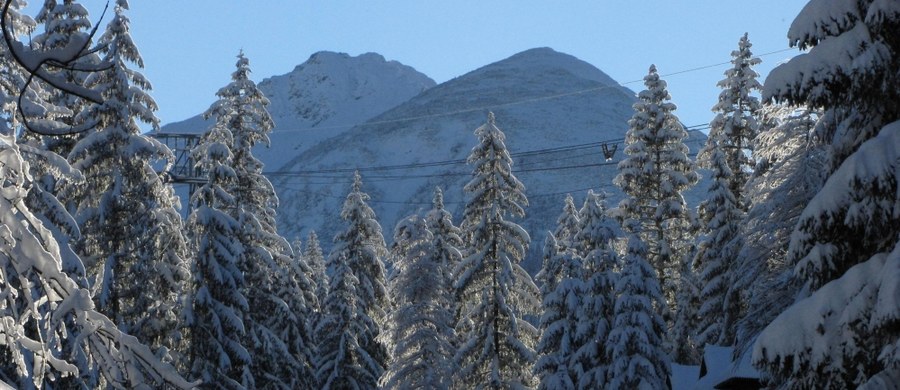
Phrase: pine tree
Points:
(735, 125)
(343, 363)
(559, 321)
(40, 306)
(216, 303)
(132, 237)
(312, 255)
(846, 239)
(446, 244)
(567, 224)
(685, 348)
(361, 246)
(721, 214)
(596, 241)
(421, 318)
(653, 176)
(495, 291)
(277, 336)
(788, 174)
(65, 23)
(635, 343)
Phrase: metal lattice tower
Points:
(182, 171)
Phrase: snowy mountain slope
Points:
(544, 101)
(327, 94)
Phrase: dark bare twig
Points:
(37, 70)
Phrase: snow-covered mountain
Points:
(555, 109)
(327, 94)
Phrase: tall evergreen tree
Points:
(495, 291)
(653, 177)
(559, 321)
(567, 224)
(635, 343)
(596, 241)
(342, 362)
(38, 302)
(361, 246)
(421, 317)
(735, 125)
(132, 238)
(721, 214)
(217, 306)
(846, 240)
(272, 288)
(789, 172)
(315, 260)
(446, 244)
(65, 23)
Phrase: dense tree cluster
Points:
(792, 257)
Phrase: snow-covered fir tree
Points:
(721, 216)
(653, 177)
(41, 307)
(685, 348)
(727, 154)
(789, 172)
(361, 249)
(845, 248)
(595, 241)
(567, 224)
(635, 343)
(561, 307)
(446, 243)
(421, 315)
(64, 23)
(216, 304)
(315, 260)
(132, 234)
(735, 124)
(497, 346)
(278, 340)
(342, 363)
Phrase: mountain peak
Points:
(543, 59)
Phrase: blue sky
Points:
(189, 46)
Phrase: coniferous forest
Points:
(790, 264)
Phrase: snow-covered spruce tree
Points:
(685, 348)
(315, 260)
(719, 243)
(65, 22)
(735, 124)
(789, 170)
(421, 318)
(844, 247)
(653, 177)
(277, 336)
(596, 242)
(567, 224)
(46, 166)
(132, 234)
(560, 319)
(361, 246)
(728, 154)
(217, 307)
(342, 363)
(635, 343)
(446, 244)
(39, 302)
(497, 351)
